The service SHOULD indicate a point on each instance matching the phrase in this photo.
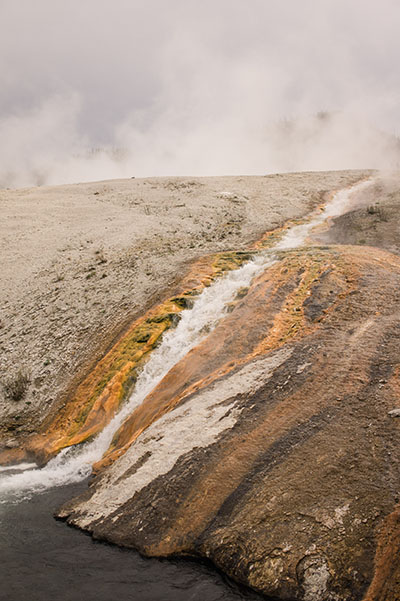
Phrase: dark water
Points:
(42, 559)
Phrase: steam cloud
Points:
(123, 88)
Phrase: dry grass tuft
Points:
(15, 387)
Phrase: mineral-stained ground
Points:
(272, 447)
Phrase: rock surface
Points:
(273, 453)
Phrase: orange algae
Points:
(275, 308)
(99, 396)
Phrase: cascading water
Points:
(74, 464)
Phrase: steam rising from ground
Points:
(131, 88)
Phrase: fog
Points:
(98, 89)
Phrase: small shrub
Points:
(100, 256)
(378, 211)
(91, 272)
(15, 388)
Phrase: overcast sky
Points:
(195, 87)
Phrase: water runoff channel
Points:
(42, 557)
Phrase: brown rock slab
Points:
(270, 449)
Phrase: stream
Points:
(42, 558)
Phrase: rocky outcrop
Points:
(270, 448)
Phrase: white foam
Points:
(21, 467)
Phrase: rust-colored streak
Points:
(272, 237)
(236, 459)
(385, 585)
(274, 308)
(347, 361)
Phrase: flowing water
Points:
(75, 463)
(19, 484)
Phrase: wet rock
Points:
(268, 449)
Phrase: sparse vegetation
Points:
(182, 185)
(378, 211)
(100, 256)
(16, 386)
(91, 272)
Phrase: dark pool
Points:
(42, 559)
